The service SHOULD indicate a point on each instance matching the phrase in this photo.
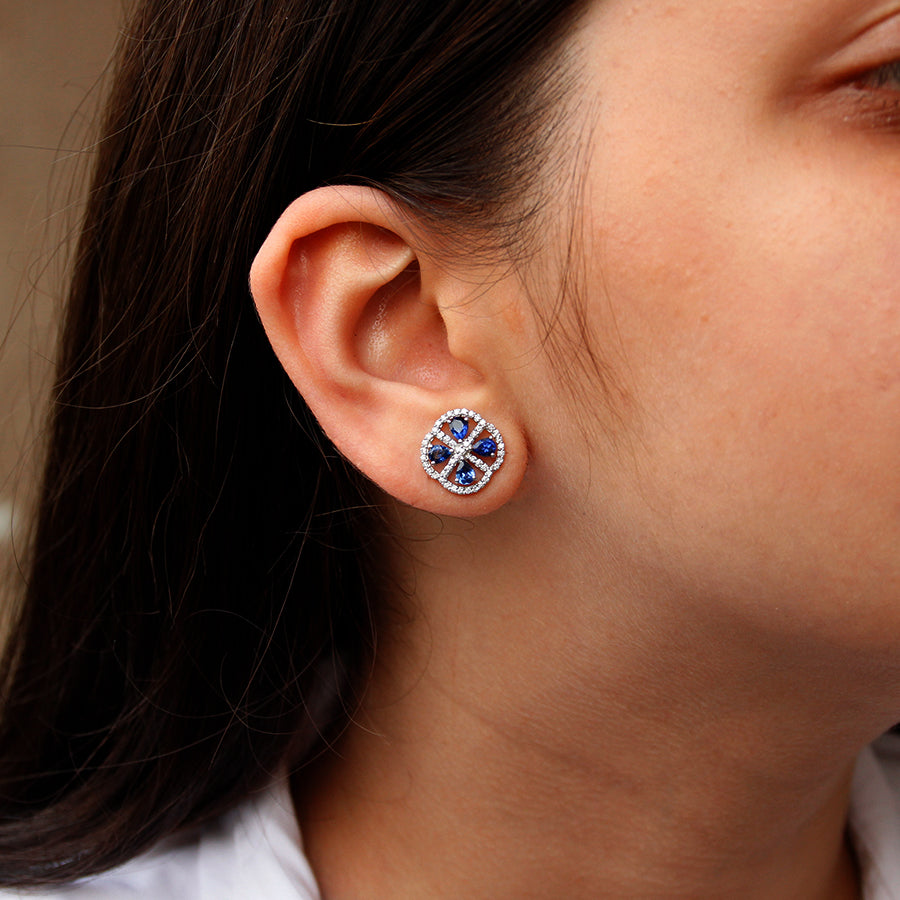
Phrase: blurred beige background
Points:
(52, 56)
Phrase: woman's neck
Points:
(517, 742)
(466, 809)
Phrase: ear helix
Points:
(462, 451)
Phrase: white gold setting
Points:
(461, 452)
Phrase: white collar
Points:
(875, 818)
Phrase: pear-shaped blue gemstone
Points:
(465, 474)
(486, 448)
(438, 453)
(459, 427)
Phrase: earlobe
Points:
(363, 323)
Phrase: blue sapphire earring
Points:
(462, 451)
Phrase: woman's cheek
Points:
(759, 324)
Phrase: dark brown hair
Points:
(198, 612)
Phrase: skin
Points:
(680, 624)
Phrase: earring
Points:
(462, 451)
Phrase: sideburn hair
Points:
(200, 609)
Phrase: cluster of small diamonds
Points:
(461, 450)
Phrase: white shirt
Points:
(875, 818)
(255, 851)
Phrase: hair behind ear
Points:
(198, 609)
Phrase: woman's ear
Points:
(381, 339)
